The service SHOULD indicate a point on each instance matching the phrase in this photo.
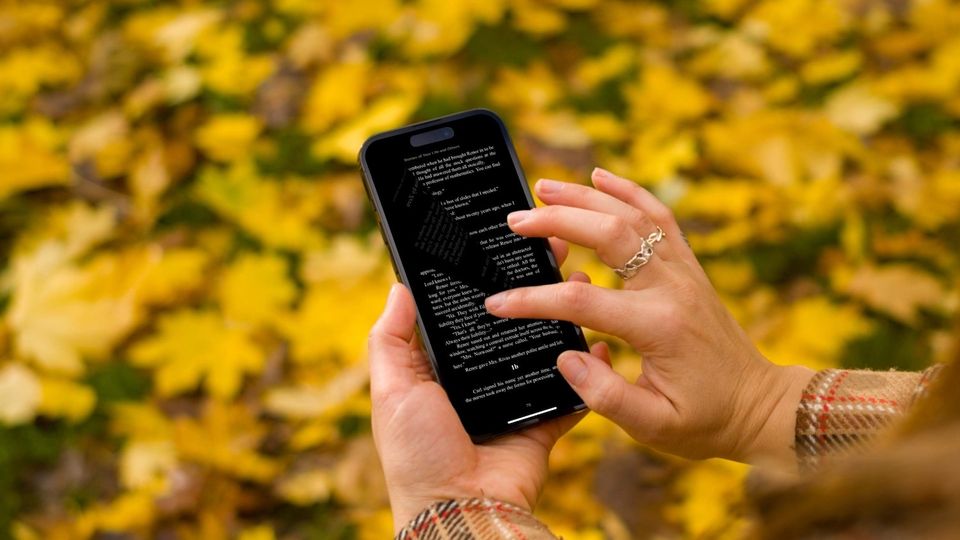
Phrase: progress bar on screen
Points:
(538, 413)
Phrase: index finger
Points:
(606, 310)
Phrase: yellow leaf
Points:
(441, 27)
(309, 402)
(139, 422)
(105, 140)
(346, 259)
(658, 152)
(831, 67)
(173, 274)
(535, 88)
(733, 56)
(260, 532)
(61, 311)
(376, 526)
(64, 398)
(899, 290)
(721, 199)
(148, 179)
(321, 328)
(307, 487)
(783, 147)
(614, 62)
(710, 492)
(857, 109)
(279, 214)
(25, 70)
(327, 101)
(384, 113)
(225, 66)
(144, 464)
(813, 331)
(663, 94)
(193, 345)
(796, 27)
(536, 18)
(31, 157)
(255, 289)
(559, 129)
(20, 394)
(130, 511)
(226, 438)
(228, 137)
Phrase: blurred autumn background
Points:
(190, 267)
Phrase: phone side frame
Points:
(397, 262)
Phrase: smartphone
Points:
(442, 190)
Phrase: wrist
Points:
(406, 506)
(776, 416)
(404, 509)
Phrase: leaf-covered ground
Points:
(189, 266)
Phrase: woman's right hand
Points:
(705, 391)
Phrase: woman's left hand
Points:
(426, 454)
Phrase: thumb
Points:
(603, 389)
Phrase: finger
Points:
(629, 192)
(601, 350)
(548, 433)
(560, 249)
(579, 276)
(606, 310)
(554, 192)
(392, 367)
(611, 236)
(605, 391)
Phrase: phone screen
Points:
(443, 191)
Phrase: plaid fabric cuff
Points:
(480, 519)
(842, 410)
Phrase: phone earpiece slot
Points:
(430, 137)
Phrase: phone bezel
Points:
(400, 272)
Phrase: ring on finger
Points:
(642, 256)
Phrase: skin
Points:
(705, 391)
(426, 454)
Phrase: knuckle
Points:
(639, 219)
(608, 397)
(614, 229)
(662, 215)
(574, 295)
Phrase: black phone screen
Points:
(443, 190)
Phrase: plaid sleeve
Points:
(480, 519)
(841, 410)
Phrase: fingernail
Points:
(549, 186)
(494, 302)
(394, 289)
(572, 367)
(601, 173)
(516, 217)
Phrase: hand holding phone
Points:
(426, 454)
(442, 190)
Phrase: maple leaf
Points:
(228, 137)
(322, 329)
(899, 290)
(190, 346)
(225, 437)
(20, 394)
(61, 311)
